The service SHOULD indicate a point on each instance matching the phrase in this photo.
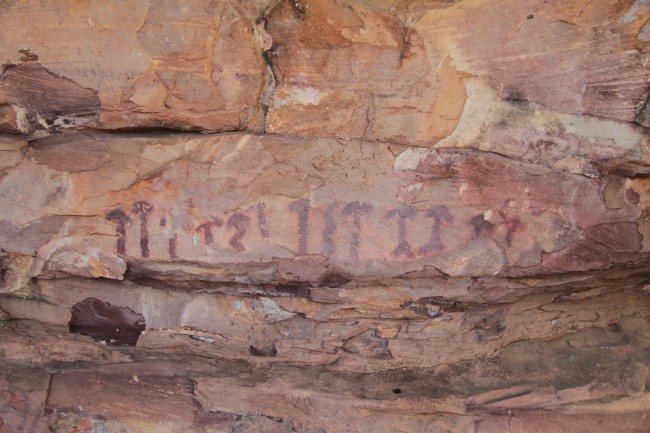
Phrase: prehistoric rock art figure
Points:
(329, 247)
(355, 209)
(301, 207)
(363, 216)
(261, 219)
(438, 214)
(143, 208)
(402, 214)
(118, 216)
(238, 222)
(206, 228)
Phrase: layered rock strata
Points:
(324, 216)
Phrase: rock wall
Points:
(320, 216)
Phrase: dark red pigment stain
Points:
(439, 214)
(173, 249)
(355, 209)
(117, 326)
(172, 242)
(4, 265)
(206, 228)
(403, 247)
(302, 208)
(514, 225)
(632, 196)
(261, 220)
(143, 208)
(118, 216)
(239, 222)
(481, 227)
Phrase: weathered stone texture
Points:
(321, 216)
(188, 65)
(284, 202)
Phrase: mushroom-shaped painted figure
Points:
(143, 208)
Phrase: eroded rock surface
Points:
(298, 209)
(192, 65)
(324, 216)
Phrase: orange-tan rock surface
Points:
(191, 65)
(320, 216)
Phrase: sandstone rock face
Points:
(187, 65)
(324, 216)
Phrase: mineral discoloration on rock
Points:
(105, 322)
(554, 58)
(380, 83)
